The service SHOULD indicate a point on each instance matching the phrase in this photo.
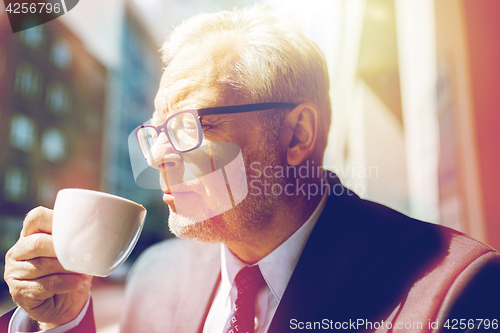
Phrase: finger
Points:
(38, 220)
(29, 292)
(31, 247)
(34, 268)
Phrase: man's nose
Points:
(163, 154)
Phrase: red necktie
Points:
(248, 282)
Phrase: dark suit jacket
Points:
(363, 261)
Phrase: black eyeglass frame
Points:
(200, 113)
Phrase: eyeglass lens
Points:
(182, 129)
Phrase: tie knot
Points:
(249, 280)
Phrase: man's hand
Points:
(37, 281)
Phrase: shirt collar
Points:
(277, 267)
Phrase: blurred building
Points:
(52, 107)
(134, 80)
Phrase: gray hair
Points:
(277, 62)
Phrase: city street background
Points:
(414, 88)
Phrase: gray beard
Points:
(251, 215)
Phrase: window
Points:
(28, 80)
(16, 184)
(33, 37)
(53, 145)
(60, 54)
(22, 133)
(58, 98)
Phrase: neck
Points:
(285, 219)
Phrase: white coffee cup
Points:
(94, 232)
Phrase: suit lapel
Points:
(5, 320)
(199, 283)
(359, 262)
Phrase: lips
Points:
(178, 194)
(182, 192)
(168, 198)
(184, 197)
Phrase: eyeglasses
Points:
(184, 129)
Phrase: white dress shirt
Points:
(277, 268)
(20, 322)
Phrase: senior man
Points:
(277, 261)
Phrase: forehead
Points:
(199, 75)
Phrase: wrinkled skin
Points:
(37, 281)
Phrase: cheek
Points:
(197, 163)
(193, 171)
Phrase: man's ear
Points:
(300, 132)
